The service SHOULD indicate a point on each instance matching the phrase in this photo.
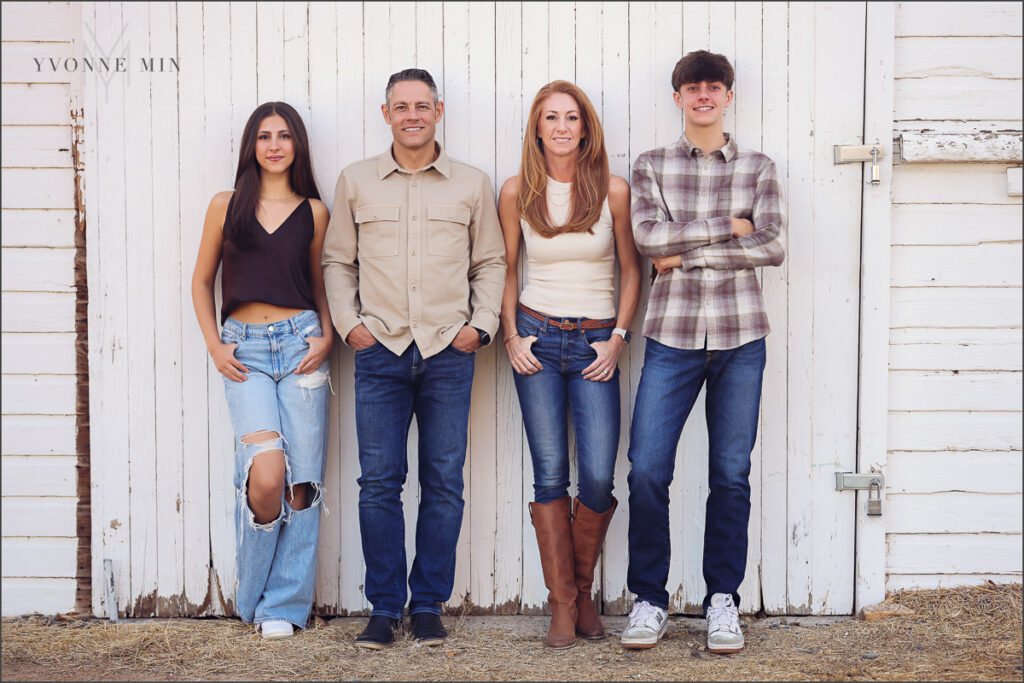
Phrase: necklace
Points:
(279, 198)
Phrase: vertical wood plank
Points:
(722, 39)
(561, 33)
(535, 74)
(192, 369)
(139, 261)
(323, 131)
(270, 48)
(616, 88)
(838, 105)
(801, 307)
(350, 148)
(747, 105)
(173, 590)
(774, 408)
(108, 320)
(222, 128)
(376, 70)
(297, 57)
(873, 370)
(483, 481)
(508, 552)
(458, 111)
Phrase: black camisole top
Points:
(275, 270)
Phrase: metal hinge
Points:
(872, 481)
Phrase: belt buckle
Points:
(564, 326)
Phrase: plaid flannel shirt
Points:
(682, 200)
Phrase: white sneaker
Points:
(724, 634)
(276, 629)
(647, 624)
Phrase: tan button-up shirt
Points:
(414, 256)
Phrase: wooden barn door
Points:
(158, 145)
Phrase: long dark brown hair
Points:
(240, 226)
(590, 187)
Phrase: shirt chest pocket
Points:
(448, 231)
(378, 231)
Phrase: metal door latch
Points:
(853, 154)
(872, 481)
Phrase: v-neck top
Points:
(275, 269)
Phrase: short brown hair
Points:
(702, 65)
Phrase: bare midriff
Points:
(259, 313)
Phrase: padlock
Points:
(874, 497)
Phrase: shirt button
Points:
(413, 288)
(414, 216)
(415, 324)
(412, 253)
(451, 217)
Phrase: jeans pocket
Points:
(600, 334)
(371, 347)
(462, 354)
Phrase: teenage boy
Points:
(414, 264)
(708, 214)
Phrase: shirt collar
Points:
(386, 164)
(728, 151)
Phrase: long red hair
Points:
(589, 189)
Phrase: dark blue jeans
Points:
(543, 397)
(389, 390)
(669, 384)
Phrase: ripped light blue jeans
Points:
(277, 560)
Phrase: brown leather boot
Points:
(554, 538)
(588, 531)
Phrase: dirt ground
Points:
(959, 634)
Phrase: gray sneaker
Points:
(724, 634)
(647, 624)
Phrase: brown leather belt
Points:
(584, 323)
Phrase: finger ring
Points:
(604, 372)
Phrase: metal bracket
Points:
(851, 481)
(873, 482)
(855, 154)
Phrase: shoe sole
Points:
(585, 637)
(645, 644)
(429, 642)
(726, 651)
(370, 645)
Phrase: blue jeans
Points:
(669, 384)
(277, 560)
(389, 390)
(543, 397)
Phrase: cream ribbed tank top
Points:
(571, 275)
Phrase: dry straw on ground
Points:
(954, 634)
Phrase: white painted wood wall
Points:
(159, 145)
(40, 480)
(953, 509)
(162, 144)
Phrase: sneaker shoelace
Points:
(724, 618)
(644, 614)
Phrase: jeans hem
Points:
(385, 613)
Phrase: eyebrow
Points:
(556, 111)
(283, 130)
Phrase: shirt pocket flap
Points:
(451, 214)
(368, 214)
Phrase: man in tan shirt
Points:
(414, 266)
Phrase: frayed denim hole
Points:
(277, 443)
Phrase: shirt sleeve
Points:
(340, 264)
(764, 246)
(656, 236)
(486, 261)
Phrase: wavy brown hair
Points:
(240, 227)
(589, 189)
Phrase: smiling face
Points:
(412, 114)
(560, 127)
(275, 150)
(703, 103)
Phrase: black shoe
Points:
(379, 632)
(427, 629)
